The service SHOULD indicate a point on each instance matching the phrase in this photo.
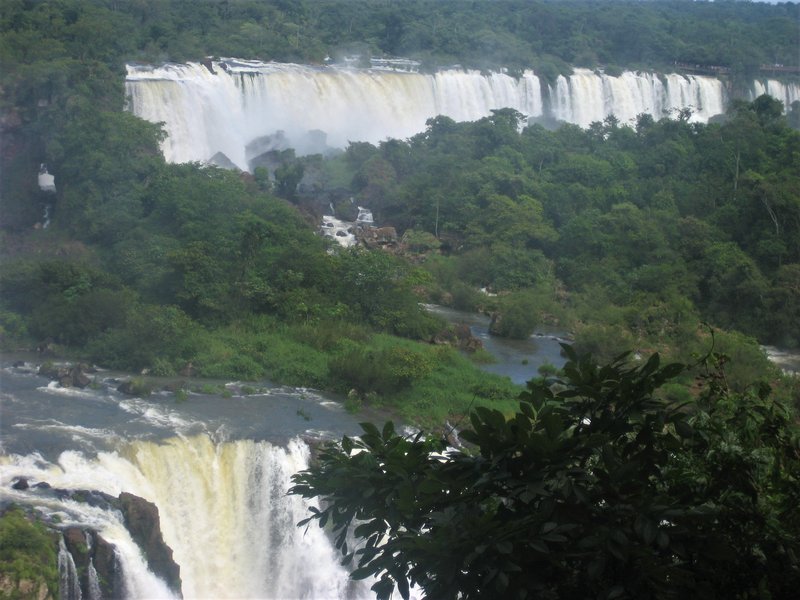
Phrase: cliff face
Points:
(142, 520)
(36, 565)
(89, 550)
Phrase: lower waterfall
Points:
(70, 587)
(224, 512)
(229, 521)
(222, 502)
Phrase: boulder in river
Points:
(460, 336)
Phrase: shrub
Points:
(517, 318)
(384, 371)
(27, 551)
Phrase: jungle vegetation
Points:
(597, 487)
(625, 235)
(617, 476)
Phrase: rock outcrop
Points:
(94, 563)
(66, 376)
(460, 336)
(24, 589)
(377, 237)
(144, 524)
(134, 387)
(88, 547)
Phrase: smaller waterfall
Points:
(585, 96)
(93, 582)
(364, 216)
(785, 92)
(69, 583)
(223, 508)
(339, 231)
(46, 181)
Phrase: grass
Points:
(421, 383)
(27, 551)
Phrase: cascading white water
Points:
(205, 113)
(785, 92)
(234, 108)
(138, 581)
(585, 96)
(69, 586)
(224, 512)
(94, 583)
(220, 490)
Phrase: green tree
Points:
(597, 487)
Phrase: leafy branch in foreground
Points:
(598, 487)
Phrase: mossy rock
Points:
(28, 557)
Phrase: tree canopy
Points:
(599, 486)
(621, 235)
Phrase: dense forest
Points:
(627, 237)
(663, 241)
(552, 35)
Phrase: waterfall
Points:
(785, 92)
(314, 108)
(94, 583)
(69, 585)
(585, 96)
(244, 108)
(223, 510)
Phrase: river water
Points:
(517, 359)
(788, 361)
(217, 468)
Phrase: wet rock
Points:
(20, 484)
(496, 320)
(142, 520)
(74, 376)
(187, 370)
(377, 237)
(133, 387)
(46, 349)
(87, 546)
(221, 160)
(49, 370)
(459, 336)
(75, 541)
(92, 498)
(108, 570)
(208, 64)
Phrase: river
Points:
(517, 359)
(216, 465)
(217, 468)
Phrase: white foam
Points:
(159, 416)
